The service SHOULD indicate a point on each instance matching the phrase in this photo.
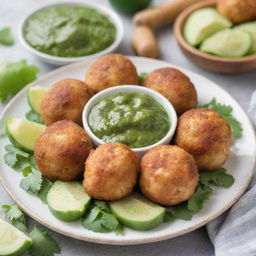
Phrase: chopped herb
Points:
(6, 37)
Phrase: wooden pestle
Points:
(144, 42)
(162, 14)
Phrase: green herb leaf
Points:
(142, 77)
(6, 37)
(45, 187)
(16, 158)
(218, 177)
(100, 219)
(196, 202)
(226, 112)
(15, 216)
(14, 76)
(34, 117)
(33, 180)
(43, 244)
(179, 211)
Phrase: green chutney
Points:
(69, 31)
(134, 119)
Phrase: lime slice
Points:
(12, 240)
(228, 43)
(249, 27)
(137, 212)
(35, 96)
(202, 24)
(67, 201)
(23, 133)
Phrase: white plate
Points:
(240, 164)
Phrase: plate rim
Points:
(141, 240)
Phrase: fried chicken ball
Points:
(61, 151)
(237, 10)
(175, 86)
(65, 100)
(111, 70)
(169, 175)
(205, 135)
(110, 171)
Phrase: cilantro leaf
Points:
(32, 181)
(142, 77)
(16, 158)
(100, 219)
(14, 76)
(15, 216)
(226, 112)
(196, 202)
(179, 211)
(43, 244)
(218, 177)
(34, 117)
(45, 186)
(6, 37)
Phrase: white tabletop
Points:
(240, 86)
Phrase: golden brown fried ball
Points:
(169, 175)
(61, 151)
(111, 70)
(110, 171)
(237, 10)
(65, 100)
(175, 86)
(205, 135)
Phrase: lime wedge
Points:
(228, 43)
(23, 133)
(35, 96)
(12, 240)
(67, 201)
(202, 24)
(249, 27)
(137, 212)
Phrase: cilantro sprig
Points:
(42, 243)
(100, 219)
(226, 112)
(186, 210)
(15, 216)
(34, 117)
(33, 181)
(142, 76)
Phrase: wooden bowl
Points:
(207, 61)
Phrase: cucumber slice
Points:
(12, 240)
(137, 212)
(202, 24)
(67, 200)
(35, 96)
(228, 43)
(249, 27)
(23, 133)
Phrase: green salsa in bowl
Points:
(133, 115)
(67, 32)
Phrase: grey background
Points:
(239, 86)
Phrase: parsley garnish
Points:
(100, 219)
(34, 117)
(142, 77)
(226, 112)
(186, 210)
(15, 216)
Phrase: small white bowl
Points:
(138, 89)
(116, 20)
